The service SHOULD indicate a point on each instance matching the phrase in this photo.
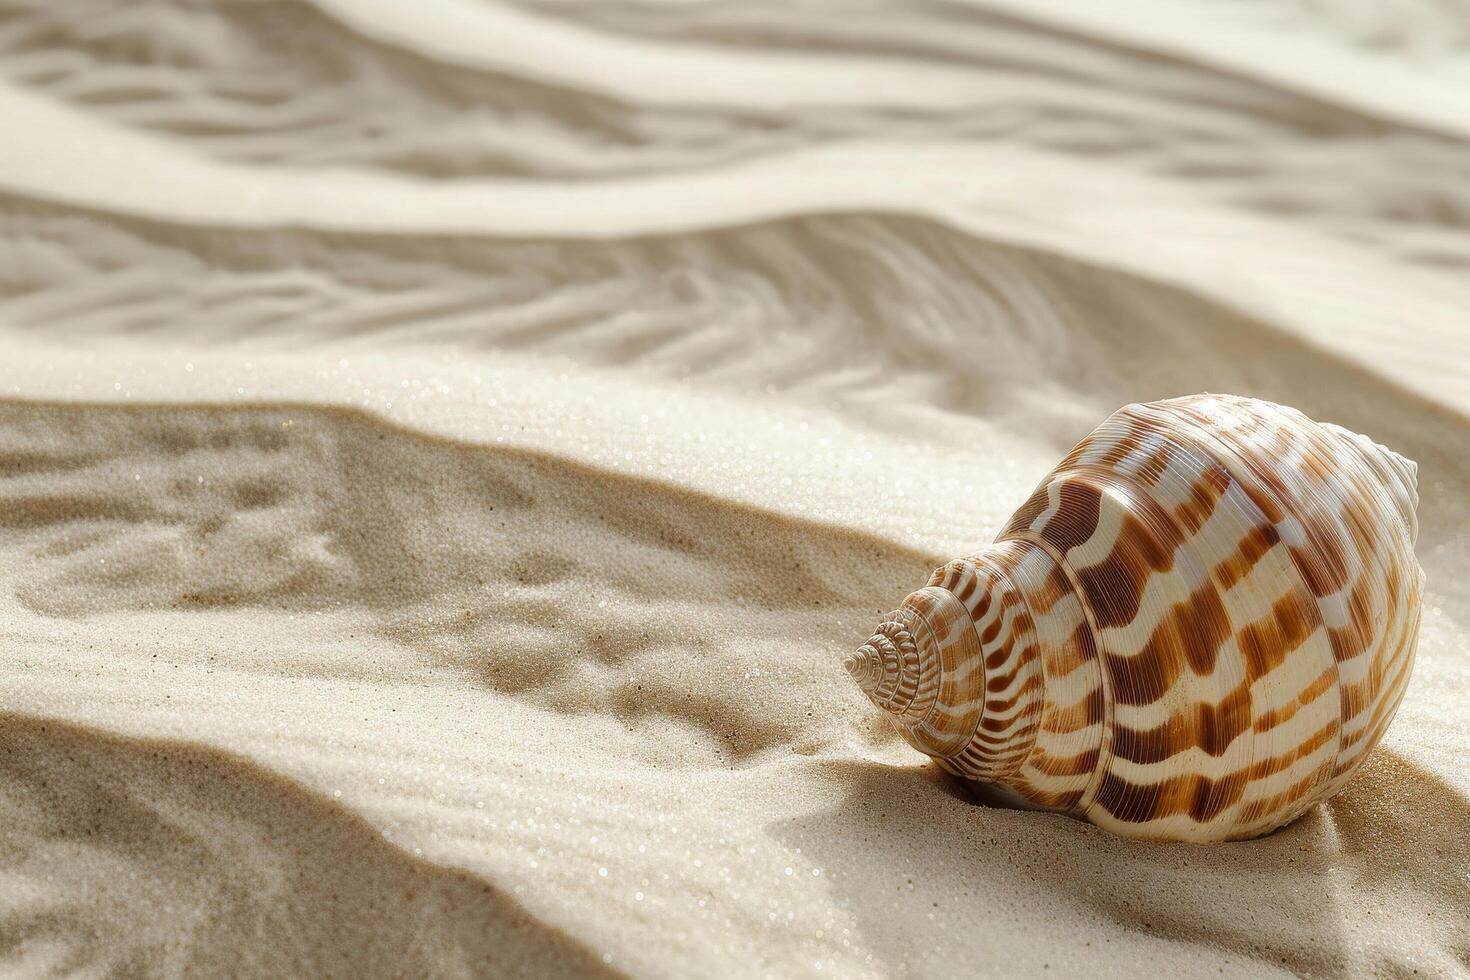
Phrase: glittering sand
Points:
(446, 450)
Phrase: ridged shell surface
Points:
(1196, 627)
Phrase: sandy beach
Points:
(447, 449)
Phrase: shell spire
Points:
(1197, 626)
(886, 668)
(953, 686)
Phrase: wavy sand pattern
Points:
(446, 448)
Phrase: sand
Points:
(447, 448)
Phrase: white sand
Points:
(447, 448)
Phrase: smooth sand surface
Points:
(446, 449)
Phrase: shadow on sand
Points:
(1390, 845)
(144, 857)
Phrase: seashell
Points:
(1195, 628)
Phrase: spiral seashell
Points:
(1194, 629)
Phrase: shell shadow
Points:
(1391, 844)
(147, 857)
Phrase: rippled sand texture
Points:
(447, 447)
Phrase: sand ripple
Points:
(446, 447)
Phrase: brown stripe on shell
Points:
(1154, 465)
(1199, 796)
(1076, 517)
(1129, 443)
(1077, 652)
(1056, 588)
(1275, 764)
(1028, 512)
(998, 706)
(1279, 805)
(1071, 765)
(1115, 586)
(992, 631)
(1210, 727)
(1204, 494)
(1261, 539)
(1383, 714)
(1088, 711)
(1267, 642)
(1350, 640)
(1273, 718)
(1190, 635)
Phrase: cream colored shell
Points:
(1194, 629)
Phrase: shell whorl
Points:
(1195, 628)
(948, 668)
(886, 668)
